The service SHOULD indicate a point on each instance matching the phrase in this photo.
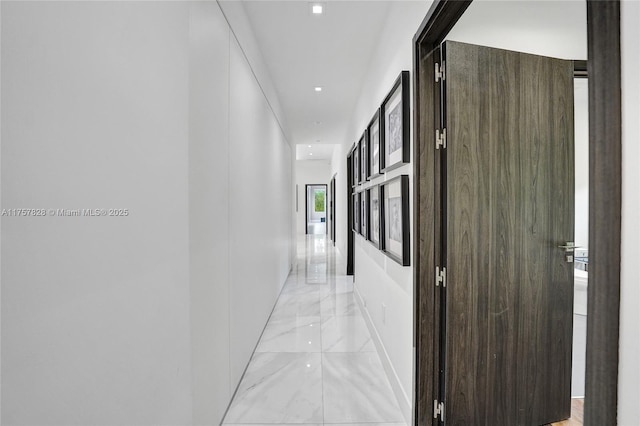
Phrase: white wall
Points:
(378, 279)
(309, 172)
(209, 41)
(150, 318)
(95, 315)
(629, 370)
(260, 180)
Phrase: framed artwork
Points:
(394, 119)
(395, 217)
(364, 162)
(355, 156)
(373, 144)
(373, 219)
(363, 214)
(356, 211)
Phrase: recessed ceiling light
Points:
(316, 9)
(311, 153)
(309, 146)
(318, 89)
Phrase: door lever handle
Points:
(569, 247)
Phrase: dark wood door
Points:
(508, 205)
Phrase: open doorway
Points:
(442, 373)
(316, 209)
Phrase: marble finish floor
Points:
(316, 363)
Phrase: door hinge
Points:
(441, 276)
(439, 72)
(441, 138)
(438, 410)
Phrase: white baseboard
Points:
(403, 399)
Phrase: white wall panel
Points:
(147, 319)
(259, 211)
(208, 210)
(95, 315)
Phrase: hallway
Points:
(316, 362)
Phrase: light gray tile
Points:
(304, 305)
(291, 334)
(356, 390)
(279, 388)
(343, 304)
(346, 334)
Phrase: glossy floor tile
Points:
(356, 389)
(279, 388)
(316, 363)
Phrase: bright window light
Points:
(317, 9)
(318, 89)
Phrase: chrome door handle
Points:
(569, 247)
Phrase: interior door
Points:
(508, 206)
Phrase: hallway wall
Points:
(629, 369)
(379, 280)
(148, 318)
(308, 172)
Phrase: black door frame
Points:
(332, 208)
(306, 205)
(349, 204)
(605, 192)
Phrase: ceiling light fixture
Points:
(318, 89)
(309, 146)
(311, 153)
(316, 9)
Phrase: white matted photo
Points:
(394, 112)
(395, 213)
(373, 137)
(373, 196)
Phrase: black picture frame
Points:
(394, 195)
(395, 125)
(364, 158)
(355, 157)
(364, 227)
(374, 156)
(374, 219)
(355, 202)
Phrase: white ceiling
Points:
(302, 50)
(334, 50)
(314, 152)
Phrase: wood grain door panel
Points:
(509, 204)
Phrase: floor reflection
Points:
(316, 362)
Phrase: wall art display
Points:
(394, 116)
(355, 167)
(356, 211)
(363, 214)
(373, 211)
(373, 143)
(395, 214)
(364, 161)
